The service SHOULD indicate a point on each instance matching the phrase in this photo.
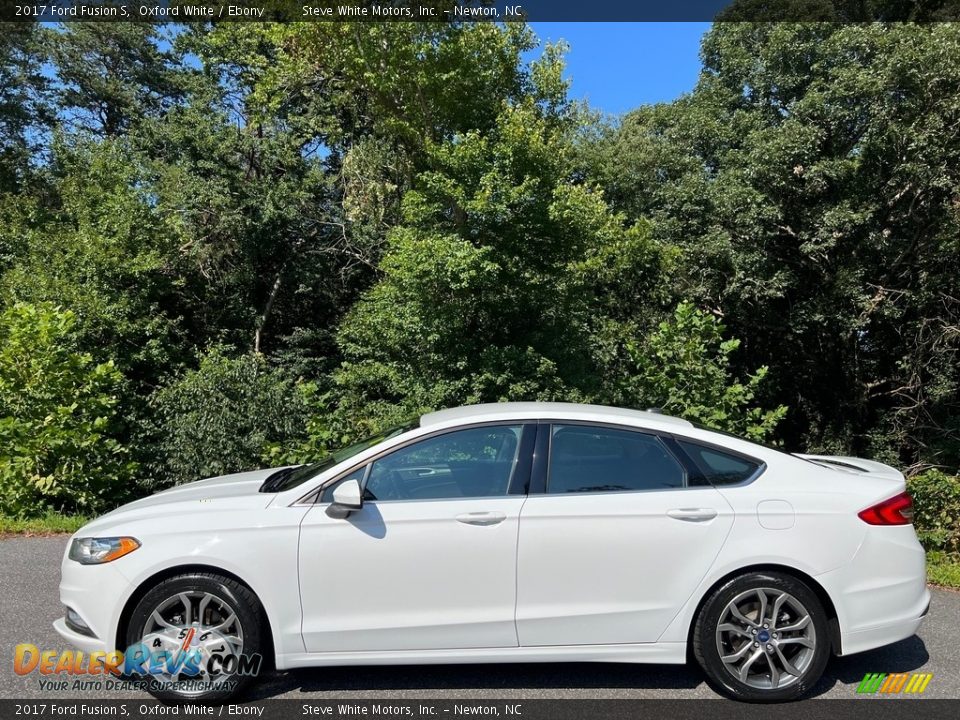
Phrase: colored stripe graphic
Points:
(898, 684)
(893, 683)
(871, 682)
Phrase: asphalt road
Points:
(29, 603)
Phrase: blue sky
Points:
(619, 66)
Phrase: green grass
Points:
(49, 524)
(943, 569)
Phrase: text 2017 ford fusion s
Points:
(516, 532)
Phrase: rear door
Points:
(616, 541)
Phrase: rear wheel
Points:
(762, 637)
(199, 636)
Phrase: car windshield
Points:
(291, 477)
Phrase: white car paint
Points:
(438, 583)
(612, 567)
(586, 577)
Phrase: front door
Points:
(429, 562)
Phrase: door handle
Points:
(692, 514)
(481, 518)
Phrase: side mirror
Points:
(347, 497)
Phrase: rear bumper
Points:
(881, 596)
(891, 632)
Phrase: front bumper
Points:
(81, 642)
(97, 594)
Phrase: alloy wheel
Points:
(766, 638)
(198, 623)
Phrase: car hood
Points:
(234, 491)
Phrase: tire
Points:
(784, 656)
(213, 600)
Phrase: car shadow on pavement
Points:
(464, 679)
(904, 656)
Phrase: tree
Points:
(811, 180)
(23, 107)
(509, 280)
(253, 206)
(100, 247)
(222, 417)
(111, 75)
(58, 420)
(684, 368)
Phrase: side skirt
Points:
(667, 653)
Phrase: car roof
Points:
(547, 410)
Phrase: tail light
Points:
(897, 510)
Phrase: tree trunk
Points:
(266, 311)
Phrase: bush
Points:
(936, 498)
(221, 418)
(57, 419)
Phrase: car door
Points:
(429, 561)
(616, 540)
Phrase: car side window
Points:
(598, 459)
(718, 467)
(473, 462)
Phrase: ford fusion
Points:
(515, 532)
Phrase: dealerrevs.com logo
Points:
(193, 666)
(894, 683)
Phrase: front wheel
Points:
(196, 638)
(762, 637)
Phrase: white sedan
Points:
(515, 532)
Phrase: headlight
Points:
(94, 551)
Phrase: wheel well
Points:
(832, 621)
(145, 587)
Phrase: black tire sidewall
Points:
(238, 596)
(708, 656)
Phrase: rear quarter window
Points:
(718, 467)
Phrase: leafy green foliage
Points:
(221, 418)
(285, 236)
(684, 368)
(328, 427)
(454, 76)
(488, 282)
(113, 74)
(106, 253)
(936, 497)
(811, 181)
(57, 418)
(22, 107)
